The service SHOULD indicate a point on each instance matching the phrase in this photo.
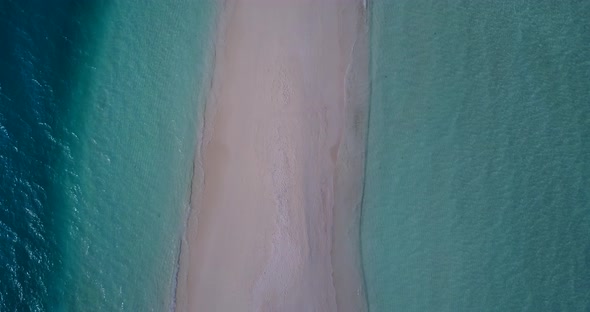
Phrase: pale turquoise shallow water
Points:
(135, 118)
(477, 194)
(100, 106)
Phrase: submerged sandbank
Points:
(274, 221)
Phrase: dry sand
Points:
(274, 219)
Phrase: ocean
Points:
(100, 104)
(477, 190)
(478, 160)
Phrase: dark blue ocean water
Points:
(41, 43)
(477, 194)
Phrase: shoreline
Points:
(284, 134)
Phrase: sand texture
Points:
(274, 225)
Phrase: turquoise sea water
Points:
(98, 126)
(477, 194)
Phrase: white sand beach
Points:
(274, 223)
